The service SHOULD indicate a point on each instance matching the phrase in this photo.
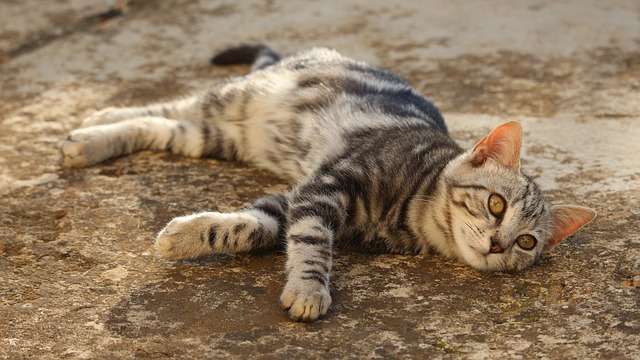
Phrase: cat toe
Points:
(177, 247)
(305, 305)
(165, 246)
(74, 154)
(180, 240)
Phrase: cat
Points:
(369, 160)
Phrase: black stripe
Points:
(315, 272)
(239, 227)
(318, 263)
(259, 240)
(538, 212)
(212, 236)
(324, 253)
(274, 211)
(317, 186)
(215, 101)
(464, 205)
(312, 81)
(523, 194)
(215, 144)
(225, 240)
(230, 150)
(400, 101)
(245, 98)
(312, 105)
(165, 112)
(403, 216)
(442, 229)
(169, 146)
(448, 219)
(470, 186)
(352, 208)
(378, 73)
(430, 174)
(328, 213)
(206, 137)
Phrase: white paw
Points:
(108, 115)
(85, 147)
(305, 300)
(75, 154)
(184, 237)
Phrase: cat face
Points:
(499, 219)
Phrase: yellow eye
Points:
(526, 242)
(497, 205)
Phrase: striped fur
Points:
(370, 163)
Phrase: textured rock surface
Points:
(79, 277)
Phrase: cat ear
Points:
(502, 145)
(566, 221)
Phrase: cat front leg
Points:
(259, 227)
(314, 220)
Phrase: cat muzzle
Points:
(495, 248)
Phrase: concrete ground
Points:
(78, 274)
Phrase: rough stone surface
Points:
(79, 276)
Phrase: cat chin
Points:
(481, 260)
(485, 261)
(478, 260)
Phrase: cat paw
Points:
(305, 300)
(84, 147)
(102, 117)
(211, 233)
(74, 154)
(182, 238)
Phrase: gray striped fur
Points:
(369, 159)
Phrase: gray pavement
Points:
(78, 274)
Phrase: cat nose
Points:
(495, 248)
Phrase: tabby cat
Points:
(370, 162)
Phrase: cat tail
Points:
(258, 56)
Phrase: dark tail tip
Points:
(240, 55)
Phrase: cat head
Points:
(499, 219)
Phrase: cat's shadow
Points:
(226, 293)
(237, 295)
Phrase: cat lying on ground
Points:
(369, 160)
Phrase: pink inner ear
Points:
(567, 220)
(502, 145)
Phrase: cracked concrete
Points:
(80, 278)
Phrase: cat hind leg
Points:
(94, 144)
(184, 109)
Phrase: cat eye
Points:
(526, 242)
(497, 205)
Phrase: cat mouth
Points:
(481, 252)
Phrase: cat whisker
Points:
(476, 231)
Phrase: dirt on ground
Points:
(79, 275)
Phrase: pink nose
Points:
(495, 248)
